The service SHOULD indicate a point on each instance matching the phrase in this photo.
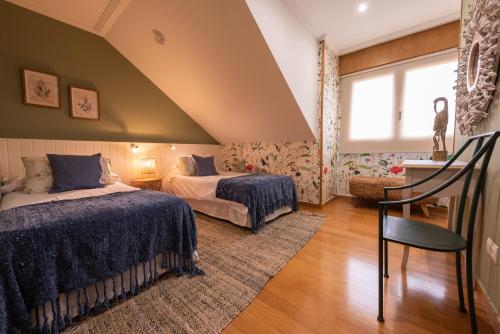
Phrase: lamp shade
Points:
(148, 166)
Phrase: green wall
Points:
(489, 272)
(132, 107)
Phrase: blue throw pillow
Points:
(72, 172)
(205, 166)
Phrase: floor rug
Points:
(237, 264)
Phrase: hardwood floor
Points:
(331, 285)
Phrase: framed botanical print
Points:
(84, 103)
(40, 89)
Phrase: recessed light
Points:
(362, 7)
(158, 37)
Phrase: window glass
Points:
(421, 86)
(372, 108)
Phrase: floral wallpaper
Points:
(300, 160)
(330, 123)
(371, 164)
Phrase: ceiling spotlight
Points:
(158, 37)
(362, 7)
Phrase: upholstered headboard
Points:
(123, 161)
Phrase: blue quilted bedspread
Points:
(52, 248)
(261, 194)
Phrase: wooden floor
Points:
(331, 285)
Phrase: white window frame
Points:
(397, 143)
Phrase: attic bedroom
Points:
(249, 166)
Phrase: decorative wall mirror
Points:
(473, 65)
(478, 64)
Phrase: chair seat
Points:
(422, 235)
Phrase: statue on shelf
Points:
(440, 125)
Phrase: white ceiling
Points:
(346, 30)
(95, 16)
(215, 65)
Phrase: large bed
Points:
(205, 194)
(67, 254)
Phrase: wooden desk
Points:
(417, 170)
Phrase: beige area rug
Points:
(238, 264)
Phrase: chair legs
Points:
(470, 291)
(380, 316)
(383, 271)
(386, 259)
(406, 254)
(459, 283)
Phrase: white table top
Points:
(431, 164)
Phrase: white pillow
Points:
(39, 177)
(108, 177)
(186, 166)
(106, 171)
(115, 178)
(11, 185)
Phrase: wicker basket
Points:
(372, 188)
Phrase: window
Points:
(371, 103)
(391, 109)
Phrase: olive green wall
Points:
(489, 272)
(132, 107)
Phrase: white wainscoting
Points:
(123, 161)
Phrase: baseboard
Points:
(319, 206)
(311, 205)
(330, 200)
(493, 317)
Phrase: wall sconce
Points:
(172, 147)
(134, 148)
(148, 166)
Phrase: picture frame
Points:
(40, 89)
(84, 103)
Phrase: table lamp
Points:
(148, 166)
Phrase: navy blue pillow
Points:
(72, 172)
(205, 166)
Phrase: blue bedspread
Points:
(52, 248)
(261, 194)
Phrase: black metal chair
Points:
(432, 237)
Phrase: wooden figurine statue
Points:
(440, 125)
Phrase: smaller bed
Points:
(248, 200)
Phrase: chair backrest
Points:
(483, 150)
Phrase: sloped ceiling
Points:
(215, 65)
(295, 50)
(215, 62)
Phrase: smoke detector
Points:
(158, 37)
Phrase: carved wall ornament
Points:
(478, 64)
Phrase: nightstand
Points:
(147, 183)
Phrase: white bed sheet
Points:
(19, 198)
(199, 192)
(196, 187)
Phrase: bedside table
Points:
(147, 183)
